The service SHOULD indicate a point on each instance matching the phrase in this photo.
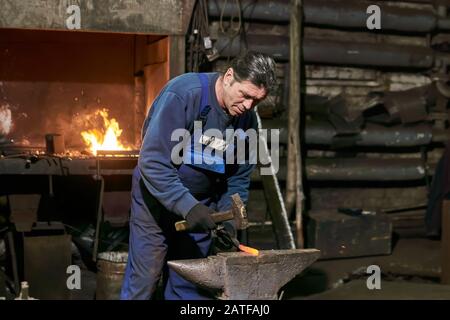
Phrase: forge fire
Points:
(106, 136)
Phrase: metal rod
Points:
(403, 209)
(118, 153)
(274, 198)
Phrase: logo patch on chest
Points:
(213, 142)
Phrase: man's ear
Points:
(229, 77)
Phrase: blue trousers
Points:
(153, 240)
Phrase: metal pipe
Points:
(364, 169)
(373, 135)
(322, 133)
(334, 52)
(352, 14)
(370, 54)
(357, 169)
(266, 10)
(333, 13)
(276, 46)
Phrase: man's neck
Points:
(219, 92)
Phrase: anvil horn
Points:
(203, 272)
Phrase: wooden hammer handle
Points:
(216, 216)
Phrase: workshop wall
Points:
(355, 70)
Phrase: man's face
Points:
(239, 97)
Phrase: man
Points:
(164, 192)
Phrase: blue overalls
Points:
(153, 239)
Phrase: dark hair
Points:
(256, 67)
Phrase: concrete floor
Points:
(88, 286)
(390, 290)
(411, 272)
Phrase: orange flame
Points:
(249, 250)
(106, 139)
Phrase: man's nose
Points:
(248, 104)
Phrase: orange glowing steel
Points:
(249, 250)
(106, 138)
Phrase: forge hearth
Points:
(81, 86)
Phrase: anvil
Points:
(240, 276)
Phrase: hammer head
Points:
(239, 212)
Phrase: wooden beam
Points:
(294, 187)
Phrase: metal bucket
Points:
(110, 272)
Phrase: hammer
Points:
(236, 213)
